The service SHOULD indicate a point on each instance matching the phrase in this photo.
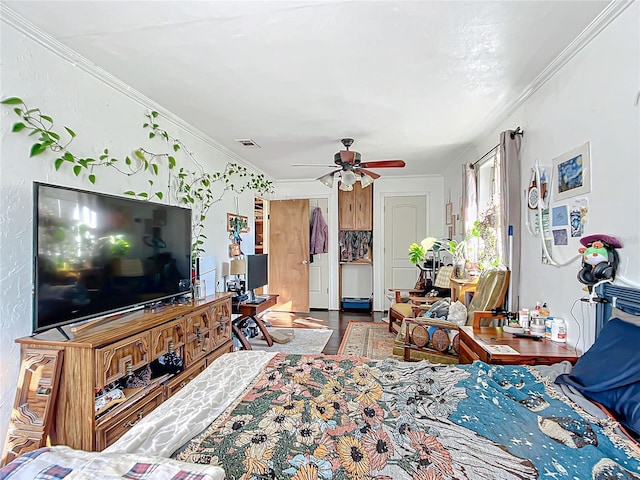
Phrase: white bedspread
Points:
(194, 407)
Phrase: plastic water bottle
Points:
(524, 319)
(559, 330)
(547, 327)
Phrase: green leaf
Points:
(54, 135)
(77, 169)
(176, 147)
(172, 161)
(17, 127)
(92, 178)
(68, 157)
(154, 114)
(143, 195)
(127, 161)
(58, 163)
(37, 149)
(159, 195)
(70, 132)
(47, 118)
(129, 192)
(145, 125)
(155, 168)
(17, 111)
(12, 101)
(140, 154)
(151, 134)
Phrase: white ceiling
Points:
(414, 80)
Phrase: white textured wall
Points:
(102, 117)
(593, 98)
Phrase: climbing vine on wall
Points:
(195, 188)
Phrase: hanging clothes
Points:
(354, 244)
(319, 233)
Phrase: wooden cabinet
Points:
(355, 208)
(200, 331)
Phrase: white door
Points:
(319, 267)
(405, 222)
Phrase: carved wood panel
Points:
(35, 399)
(161, 337)
(119, 359)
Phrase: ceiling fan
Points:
(352, 168)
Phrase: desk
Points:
(247, 310)
(474, 346)
(460, 287)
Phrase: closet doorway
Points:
(319, 262)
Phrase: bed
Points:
(254, 415)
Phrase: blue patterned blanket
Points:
(334, 417)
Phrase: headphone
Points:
(592, 274)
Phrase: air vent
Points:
(247, 142)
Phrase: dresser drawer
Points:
(115, 361)
(162, 337)
(112, 430)
(176, 384)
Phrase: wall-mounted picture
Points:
(237, 223)
(559, 216)
(448, 212)
(572, 173)
(560, 237)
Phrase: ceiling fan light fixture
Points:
(327, 179)
(349, 178)
(345, 188)
(366, 180)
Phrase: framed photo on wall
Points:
(448, 212)
(237, 223)
(572, 173)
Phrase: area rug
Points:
(305, 340)
(368, 339)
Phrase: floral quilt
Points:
(330, 417)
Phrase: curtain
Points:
(470, 202)
(510, 208)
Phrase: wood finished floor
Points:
(333, 319)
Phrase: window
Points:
(485, 232)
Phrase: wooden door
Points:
(289, 254)
(405, 222)
(363, 207)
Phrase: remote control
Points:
(528, 335)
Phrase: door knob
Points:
(304, 262)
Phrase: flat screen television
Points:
(97, 254)
(257, 273)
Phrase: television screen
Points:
(96, 254)
(257, 271)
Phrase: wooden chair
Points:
(437, 340)
(415, 302)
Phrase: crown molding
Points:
(608, 15)
(13, 19)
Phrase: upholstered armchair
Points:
(437, 340)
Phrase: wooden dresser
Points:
(64, 407)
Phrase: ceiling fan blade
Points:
(312, 165)
(346, 156)
(370, 173)
(383, 164)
